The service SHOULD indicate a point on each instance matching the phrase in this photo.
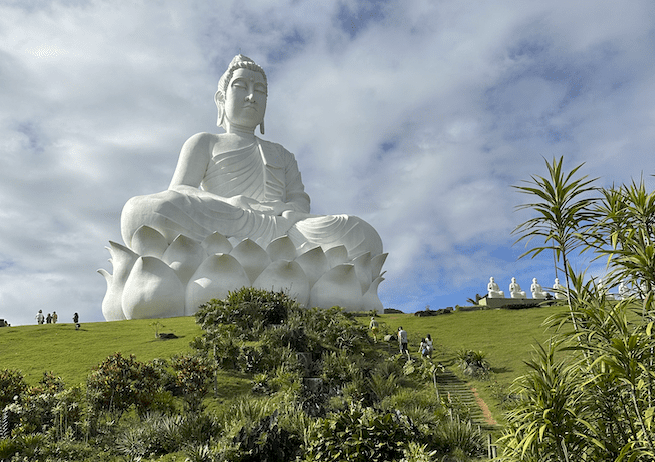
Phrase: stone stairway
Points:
(452, 387)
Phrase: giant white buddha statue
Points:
(236, 186)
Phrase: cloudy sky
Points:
(416, 115)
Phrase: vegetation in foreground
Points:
(320, 389)
(589, 394)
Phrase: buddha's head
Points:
(243, 81)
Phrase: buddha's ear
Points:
(219, 99)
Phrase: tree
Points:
(563, 210)
(625, 234)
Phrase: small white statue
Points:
(601, 288)
(493, 291)
(515, 290)
(536, 289)
(624, 291)
(560, 290)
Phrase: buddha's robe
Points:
(263, 171)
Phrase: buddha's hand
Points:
(272, 207)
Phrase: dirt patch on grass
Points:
(485, 409)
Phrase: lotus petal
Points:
(214, 278)
(286, 276)
(314, 263)
(216, 243)
(376, 264)
(363, 270)
(152, 290)
(122, 260)
(184, 255)
(111, 304)
(148, 241)
(340, 287)
(337, 255)
(252, 257)
(281, 249)
(371, 301)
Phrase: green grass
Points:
(71, 354)
(505, 336)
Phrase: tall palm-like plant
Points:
(625, 234)
(548, 422)
(563, 206)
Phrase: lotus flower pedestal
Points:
(158, 280)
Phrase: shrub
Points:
(193, 373)
(338, 368)
(249, 309)
(473, 363)
(120, 382)
(265, 442)
(460, 437)
(37, 405)
(382, 386)
(11, 384)
(360, 435)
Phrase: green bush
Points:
(473, 363)
(12, 384)
(193, 374)
(266, 441)
(456, 436)
(360, 435)
(120, 382)
(249, 309)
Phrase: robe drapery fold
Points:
(262, 171)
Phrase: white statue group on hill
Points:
(515, 291)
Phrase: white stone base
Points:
(505, 302)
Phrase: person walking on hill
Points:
(76, 320)
(39, 317)
(428, 341)
(402, 341)
(374, 329)
(54, 317)
(423, 348)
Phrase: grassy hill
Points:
(505, 336)
(71, 354)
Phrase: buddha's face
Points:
(245, 99)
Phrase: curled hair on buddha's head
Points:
(238, 62)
